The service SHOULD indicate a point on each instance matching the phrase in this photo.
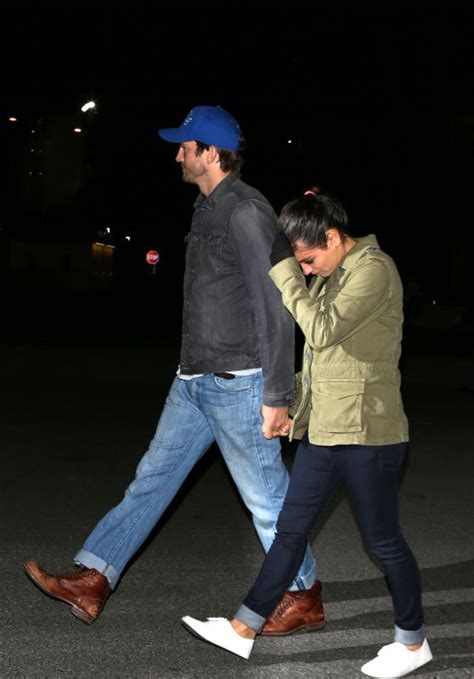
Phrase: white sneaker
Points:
(395, 660)
(220, 632)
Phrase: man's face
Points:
(192, 165)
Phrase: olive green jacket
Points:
(348, 391)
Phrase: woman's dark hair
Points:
(231, 161)
(308, 218)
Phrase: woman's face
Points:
(322, 261)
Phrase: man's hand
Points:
(275, 421)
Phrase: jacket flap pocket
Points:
(338, 405)
(340, 388)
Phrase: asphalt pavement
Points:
(74, 422)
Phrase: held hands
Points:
(275, 421)
(281, 249)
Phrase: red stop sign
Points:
(152, 257)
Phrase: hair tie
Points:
(310, 192)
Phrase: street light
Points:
(88, 106)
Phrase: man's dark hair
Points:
(231, 161)
(308, 218)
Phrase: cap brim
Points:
(174, 134)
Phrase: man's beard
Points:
(187, 177)
(190, 176)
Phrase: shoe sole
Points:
(298, 630)
(77, 612)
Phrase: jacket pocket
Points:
(338, 405)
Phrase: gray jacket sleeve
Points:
(252, 230)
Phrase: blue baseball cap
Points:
(207, 124)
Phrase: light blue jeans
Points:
(198, 412)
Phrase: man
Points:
(234, 383)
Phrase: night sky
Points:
(379, 105)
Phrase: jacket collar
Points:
(224, 186)
(349, 261)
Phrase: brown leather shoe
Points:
(85, 589)
(300, 611)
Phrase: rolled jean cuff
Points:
(89, 560)
(408, 636)
(305, 581)
(250, 618)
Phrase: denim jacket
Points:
(233, 316)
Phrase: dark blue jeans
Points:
(371, 476)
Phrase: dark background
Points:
(378, 104)
(380, 107)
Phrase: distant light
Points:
(128, 238)
(77, 129)
(107, 229)
(104, 245)
(12, 119)
(33, 131)
(88, 106)
(290, 141)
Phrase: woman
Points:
(350, 419)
